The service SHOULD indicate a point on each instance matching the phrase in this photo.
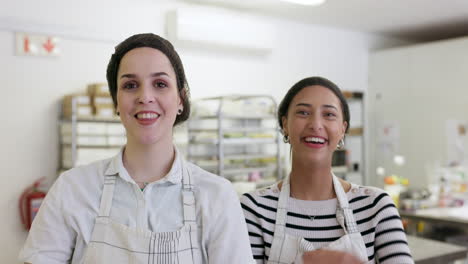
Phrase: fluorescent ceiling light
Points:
(306, 2)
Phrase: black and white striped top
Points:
(374, 211)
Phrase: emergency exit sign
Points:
(36, 45)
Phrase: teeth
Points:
(315, 140)
(147, 116)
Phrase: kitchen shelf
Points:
(353, 167)
(236, 129)
(231, 116)
(235, 141)
(92, 119)
(235, 157)
(247, 170)
(87, 138)
(355, 131)
(236, 137)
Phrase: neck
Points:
(148, 163)
(313, 181)
(312, 186)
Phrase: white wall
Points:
(33, 86)
(417, 89)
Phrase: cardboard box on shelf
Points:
(105, 112)
(81, 99)
(82, 111)
(102, 100)
(98, 89)
(82, 104)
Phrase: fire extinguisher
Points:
(29, 203)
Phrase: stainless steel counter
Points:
(432, 251)
(427, 251)
(453, 215)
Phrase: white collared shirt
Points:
(64, 224)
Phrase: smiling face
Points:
(314, 124)
(147, 96)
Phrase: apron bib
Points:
(113, 242)
(287, 249)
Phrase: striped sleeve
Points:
(254, 227)
(390, 244)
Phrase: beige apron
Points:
(116, 243)
(287, 249)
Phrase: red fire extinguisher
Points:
(29, 203)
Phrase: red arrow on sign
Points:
(49, 46)
(26, 44)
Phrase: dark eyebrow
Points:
(304, 104)
(309, 105)
(330, 106)
(131, 75)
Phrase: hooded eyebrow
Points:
(309, 105)
(131, 75)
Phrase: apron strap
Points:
(107, 195)
(188, 202)
(188, 197)
(280, 223)
(344, 214)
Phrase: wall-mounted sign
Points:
(36, 45)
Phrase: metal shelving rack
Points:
(74, 120)
(356, 132)
(233, 157)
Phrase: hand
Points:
(329, 257)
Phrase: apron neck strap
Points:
(340, 194)
(188, 197)
(282, 208)
(107, 195)
(344, 214)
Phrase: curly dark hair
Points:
(156, 42)
(296, 88)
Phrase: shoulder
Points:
(369, 198)
(85, 173)
(266, 197)
(366, 191)
(208, 181)
(374, 192)
(212, 191)
(268, 191)
(86, 180)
